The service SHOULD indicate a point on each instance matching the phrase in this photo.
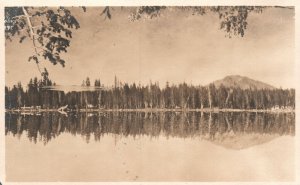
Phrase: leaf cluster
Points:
(51, 29)
(13, 25)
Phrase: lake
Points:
(150, 146)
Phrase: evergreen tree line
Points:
(132, 96)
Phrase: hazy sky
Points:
(175, 47)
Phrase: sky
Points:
(175, 47)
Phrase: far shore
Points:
(214, 110)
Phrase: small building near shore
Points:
(26, 108)
(275, 108)
(90, 106)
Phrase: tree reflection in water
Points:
(210, 126)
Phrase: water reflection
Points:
(216, 127)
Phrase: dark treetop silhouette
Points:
(126, 96)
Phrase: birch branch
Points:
(32, 35)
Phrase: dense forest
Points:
(133, 96)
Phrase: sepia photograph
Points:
(150, 94)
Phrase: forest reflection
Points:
(210, 126)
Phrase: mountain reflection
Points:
(210, 126)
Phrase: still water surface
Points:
(150, 146)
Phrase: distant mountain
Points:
(242, 82)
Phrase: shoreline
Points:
(213, 110)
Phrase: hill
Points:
(242, 82)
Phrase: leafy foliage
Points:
(148, 12)
(50, 36)
(13, 24)
(233, 19)
(50, 29)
